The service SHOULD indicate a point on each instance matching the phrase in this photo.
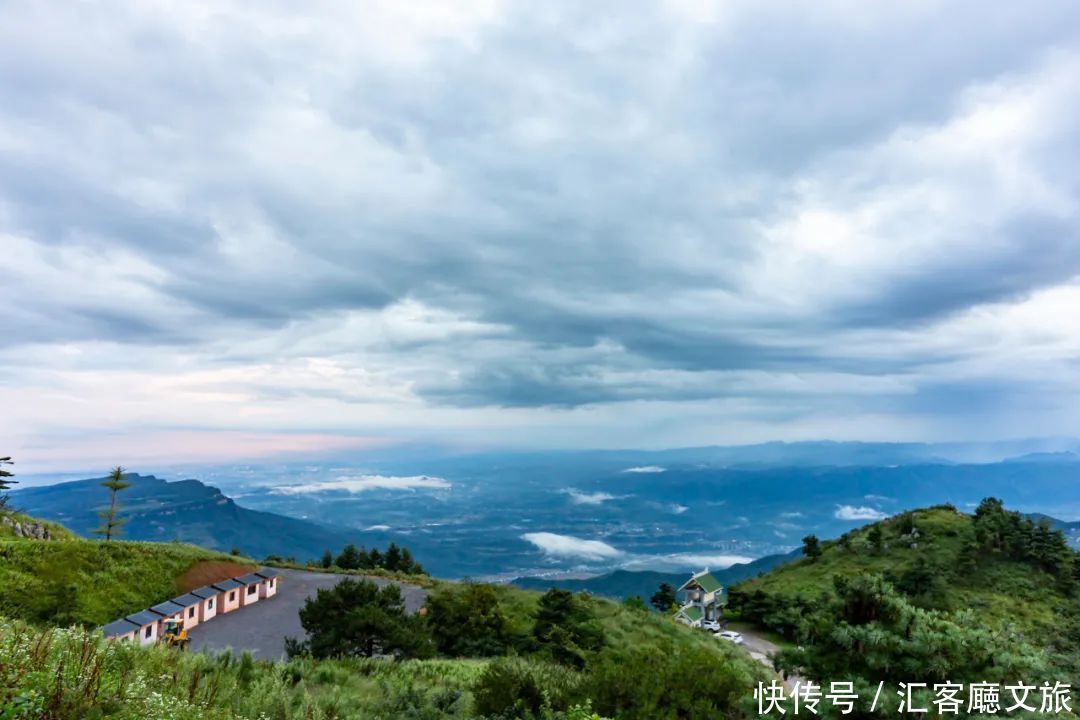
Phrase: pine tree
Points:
(408, 565)
(664, 598)
(811, 547)
(392, 561)
(327, 559)
(5, 484)
(349, 559)
(111, 522)
(375, 558)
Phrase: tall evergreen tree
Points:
(5, 484)
(349, 559)
(664, 598)
(111, 522)
(327, 559)
(408, 565)
(811, 547)
(392, 561)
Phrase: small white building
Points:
(702, 600)
(272, 578)
(211, 599)
(230, 595)
(252, 588)
(168, 610)
(147, 623)
(123, 630)
(191, 604)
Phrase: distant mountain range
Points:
(1071, 530)
(498, 516)
(627, 583)
(186, 510)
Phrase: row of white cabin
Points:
(197, 606)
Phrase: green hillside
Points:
(10, 521)
(88, 582)
(931, 595)
(643, 666)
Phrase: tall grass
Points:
(73, 674)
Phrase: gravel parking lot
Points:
(263, 627)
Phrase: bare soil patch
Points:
(210, 571)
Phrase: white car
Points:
(710, 625)
(731, 636)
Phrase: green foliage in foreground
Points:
(73, 675)
(62, 582)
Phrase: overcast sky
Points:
(233, 230)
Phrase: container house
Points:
(230, 594)
(147, 623)
(252, 588)
(211, 600)
(123, 630)
(192, 606)
(272, 578)
(168, 610)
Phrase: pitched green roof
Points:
(692, 613)
(707, 582)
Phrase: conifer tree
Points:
(349, 559)
(664, 598)
(392, 561)
(5, 484)
(111, 522)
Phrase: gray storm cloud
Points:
(645, 223)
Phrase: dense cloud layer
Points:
(510, 223)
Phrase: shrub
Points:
(357, 617)
(664, 681)
(467, 621)
(565, 628)
(515, 687)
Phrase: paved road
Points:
(263, 627)
(762, 650)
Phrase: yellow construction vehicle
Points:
(175, 635)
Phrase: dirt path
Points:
(263, 627)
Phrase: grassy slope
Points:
(90, 582)
(74, 674)
(1000, 591)
(40, 669)
(58, 531)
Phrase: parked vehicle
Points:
(710, 625)
(731, 636)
